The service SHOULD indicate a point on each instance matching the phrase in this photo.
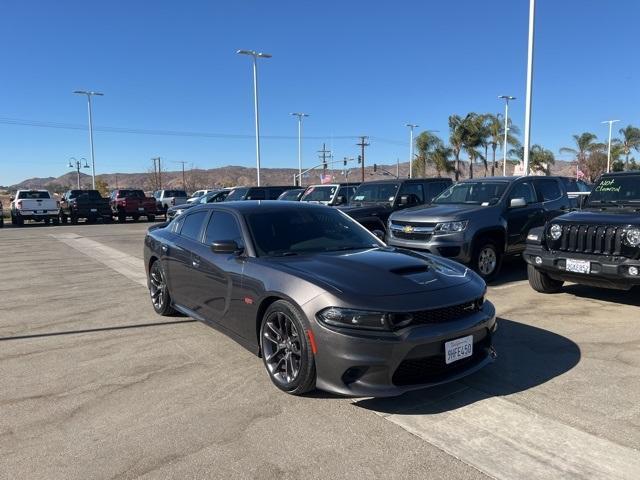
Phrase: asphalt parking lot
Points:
(93, 384)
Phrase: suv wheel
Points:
(541, 282)
(487, 259)
(286, 350)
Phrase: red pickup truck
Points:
(132, 203)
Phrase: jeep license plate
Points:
(458, 349)
(578, 266)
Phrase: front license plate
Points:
(141, 209)
(94, 210)
(458, 349)
(578, 266)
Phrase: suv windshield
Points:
(322, 193)
(473, 193)
(622, 189)
(236, 194)
(33, 195)
(298, 231)
(375, 193)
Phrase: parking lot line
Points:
(123, 263)
(506, 441)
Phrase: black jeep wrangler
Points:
(598, 245)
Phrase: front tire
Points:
(286, 351)
(151, 218)
(160, 298)
(541, 282)
(487, 259)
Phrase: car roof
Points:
(408, 180)
(253, 206)
(511, 179)
(621, 174)
(336, 184)
(275, 186)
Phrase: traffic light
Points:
(359, 159)
(345, 162)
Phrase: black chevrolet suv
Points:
(373, 202)
(479, 221)
(598, 245)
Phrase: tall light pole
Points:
(610, 122)
(411, 127)
(506, 99)
(255, 55)
(77, 164)
(527, 105)
(90, 94)
(300, 116)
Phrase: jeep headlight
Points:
(555, 231)
(451, 227)
(632, 237)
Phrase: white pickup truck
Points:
(169, 198)
(34, 205)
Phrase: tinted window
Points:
(33, 195)
(477, 193)
(616, 189)
(298, 231)
(93, 194)
(256, 194)
(223, 226)
(347, 192)
(548, 189)
(523, 190)
(274, 193)
(193, 224)
(236, 194)
(375, 192)
(131, 194)
(175, 193)
(176, 225)
(413, 189)
(435, 188)
(316, 193)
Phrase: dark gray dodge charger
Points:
(321, 299)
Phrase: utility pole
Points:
(323, 155)
(529, 93)
(300, 116)
(184, 183)
(90, 94)
(158, 175)
(411, 127)
(506, 99)
(610, 122)
(363, 143)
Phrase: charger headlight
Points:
(555, 231)
(451, 227)
(632, 237)
(363, 319)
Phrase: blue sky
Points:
(358, 67)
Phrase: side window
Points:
(223, 226)
(548, 189)
(257, 194)
(193, 225)
(274, 193)
(435, 189)
(176, 225)
(523, 190)
(413, 189)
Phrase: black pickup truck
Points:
(373, 202)
(87, 204)
(597, 246)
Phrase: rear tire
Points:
(541, 282)
(74, 219)
(19, 221)
(63, 219)
(284, 345)
(55, 221)
(1, 222)
(135, 217)
(151, 218)
(122, 217)
(158, 290)
(487, 259)
(46, 221)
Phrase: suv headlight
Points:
(451, 227)
(362, 319)
(555, 231)
(632, 237)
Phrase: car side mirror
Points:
(517, 203)
(340, 200)
(226, 246)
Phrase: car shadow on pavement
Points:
(514, 269)
(527, 357)
(625, 297)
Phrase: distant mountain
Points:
(233, 175)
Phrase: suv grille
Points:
(411, 235)
(422, 231)
(603, 240)
(447, 314)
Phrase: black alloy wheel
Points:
(286, 350)
(160, 298)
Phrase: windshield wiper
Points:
(342, 249)
(283, 254)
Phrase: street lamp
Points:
(506, 99)
(90, 94)
(300, 115)
(529, 93)
(610, 122)
(255, 55)
(77, 164)
(411, 127)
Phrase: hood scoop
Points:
(411, 270)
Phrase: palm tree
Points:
(440, 158)
(585, 144)
(456, 139)
(426, 142)
(630, 141)
(472, 135)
